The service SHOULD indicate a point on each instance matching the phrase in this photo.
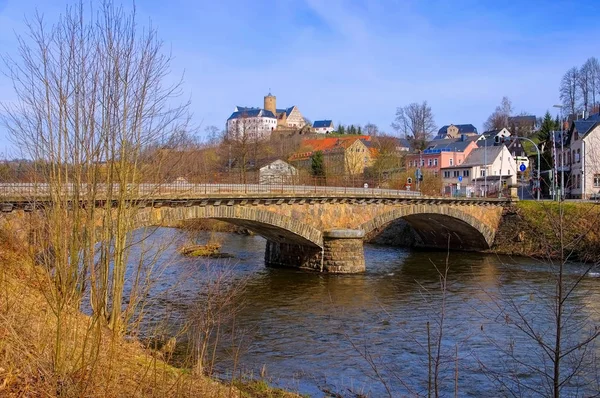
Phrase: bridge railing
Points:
(182, 189)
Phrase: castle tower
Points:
(271, 104)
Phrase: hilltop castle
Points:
(262, 121)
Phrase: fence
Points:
(185, 189)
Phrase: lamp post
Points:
(562, 156)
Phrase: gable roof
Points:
(287, 111)
(322, 124)
(582, 126)
(462, 129)
(529, 119)
(447, 145)
(479, 156)
(327, 145)
(251, 112)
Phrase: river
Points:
(367, 334)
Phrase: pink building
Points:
(442, 153)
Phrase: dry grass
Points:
(97, 364)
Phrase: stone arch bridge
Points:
(325, 231)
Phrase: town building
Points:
(442, 153)
(453, 131)
(277, 172)
(486, 169)
(323, 126)
(523, 125)
(582, 155)
(260, 122)
(343, 155)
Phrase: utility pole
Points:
(562, 151)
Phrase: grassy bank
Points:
(96, 363)
(545, 229)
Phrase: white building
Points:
(583, 156)
(253, 123)
(487, 169)
(323, 126)
(277, 172)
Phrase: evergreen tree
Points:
(545, 145)
(317, 164)
(359, 130)
(341, 129)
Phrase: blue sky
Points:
(356, 61)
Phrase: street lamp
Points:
(562, 155)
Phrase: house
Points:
(583, 157)
(343, 155)
(502, 137)
(454, 131)
(486, 169)
(523, 125)
(277, 172)
(260, 122)
(442, 153)
(323, 126)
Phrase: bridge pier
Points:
(342, 253)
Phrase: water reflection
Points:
(313, 331)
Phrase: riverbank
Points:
(94, 362)
(534, 229)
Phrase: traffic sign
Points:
(522, 167)
(460, 178)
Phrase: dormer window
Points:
(576, 135)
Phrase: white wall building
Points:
(253, 123)
(322, 126)
(495, 161)
(584, 158)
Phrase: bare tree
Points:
(243, 141)
(91, 98)
(585, 85)
(570, 90)
(415, 122)
(371, 129)
(592, 68)
(499, 118)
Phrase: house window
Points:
(446, 174)
(456, 173)
(451, 162)
(466, 173)
(435, 162)
(578, 156)
(422, 162)
(482, 173)
(596, 180)
(578, 181)
(429, 162)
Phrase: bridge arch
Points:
(435, 223)
(275, 227)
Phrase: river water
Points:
(368, 334)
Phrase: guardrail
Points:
(33, 190)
